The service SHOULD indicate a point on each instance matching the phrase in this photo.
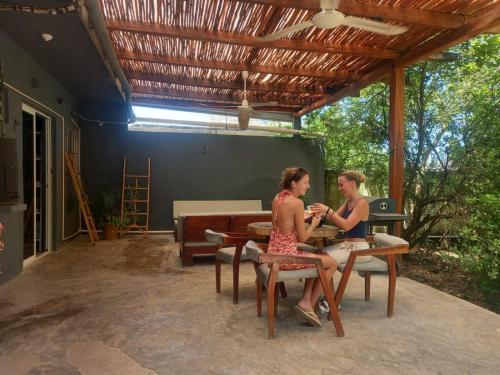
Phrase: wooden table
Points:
(319, 235)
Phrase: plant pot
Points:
(110, 231)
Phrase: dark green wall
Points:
(196, 166)
(35, 87)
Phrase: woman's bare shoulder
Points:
(297, 202)
(362, 204)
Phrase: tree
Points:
(452, 138)
(445, 107)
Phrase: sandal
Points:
(310, 316)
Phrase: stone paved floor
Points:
(127, 307)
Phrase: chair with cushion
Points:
(230, 249)
(269, 274)
(385, 245)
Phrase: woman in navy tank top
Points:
(351, 217)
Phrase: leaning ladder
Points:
(136, 190)
(82, 198)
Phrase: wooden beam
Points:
(494, 28)
(396, 140)
(336, 75)
(402, 15)
(248, 40)
(451, 38)
(232, 85)
(205, 97)
(433, 46)
(202, 105)
(367, 79)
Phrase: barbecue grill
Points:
(382, 213)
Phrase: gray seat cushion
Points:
(253, 251)
(305, 247)
(215, 237)
(386, 240)
(375, 264)
(263, 272)
(226, 254)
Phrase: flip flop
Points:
(310, 316)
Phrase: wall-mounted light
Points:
(47, 37)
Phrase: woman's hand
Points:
(319, 209)
(315, 221)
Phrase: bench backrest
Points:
(215, 206)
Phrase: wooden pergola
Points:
(190, 53)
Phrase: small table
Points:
(319, 235)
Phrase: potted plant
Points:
(109, 216)
(111, 227)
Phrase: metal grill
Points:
(382, 212)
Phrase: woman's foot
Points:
(304, 305)
(310, 316)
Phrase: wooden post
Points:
(396, 140)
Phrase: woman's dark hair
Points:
(291, 174)
(357, 177)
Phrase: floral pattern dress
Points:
(284, 241)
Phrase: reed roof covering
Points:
(192, 52)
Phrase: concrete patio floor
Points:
(128, 307)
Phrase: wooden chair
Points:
(230, 249)
(269, 274)
(386, 245)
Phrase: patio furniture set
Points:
(235, 236)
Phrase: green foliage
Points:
(452, 138)
(356, 132)
(106, 208)
(479, 244)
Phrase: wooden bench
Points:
(213, 206)
(191, 235)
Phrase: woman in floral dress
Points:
(289, 228)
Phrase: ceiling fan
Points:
(330, 18)
(245, 108)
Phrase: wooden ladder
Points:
(136, 190)
(82, 198)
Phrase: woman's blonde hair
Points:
(291, 174)
(357, 177)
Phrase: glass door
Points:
(37, 175)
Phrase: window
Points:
(167, 120)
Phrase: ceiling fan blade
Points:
(260, 104)
(219, 105)
(275, 108)
(284, 32)
(373, 26)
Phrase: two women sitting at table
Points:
(289, 229)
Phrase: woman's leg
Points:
(305, 301)
(313, 288)
(330, 265)
(338, 252)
